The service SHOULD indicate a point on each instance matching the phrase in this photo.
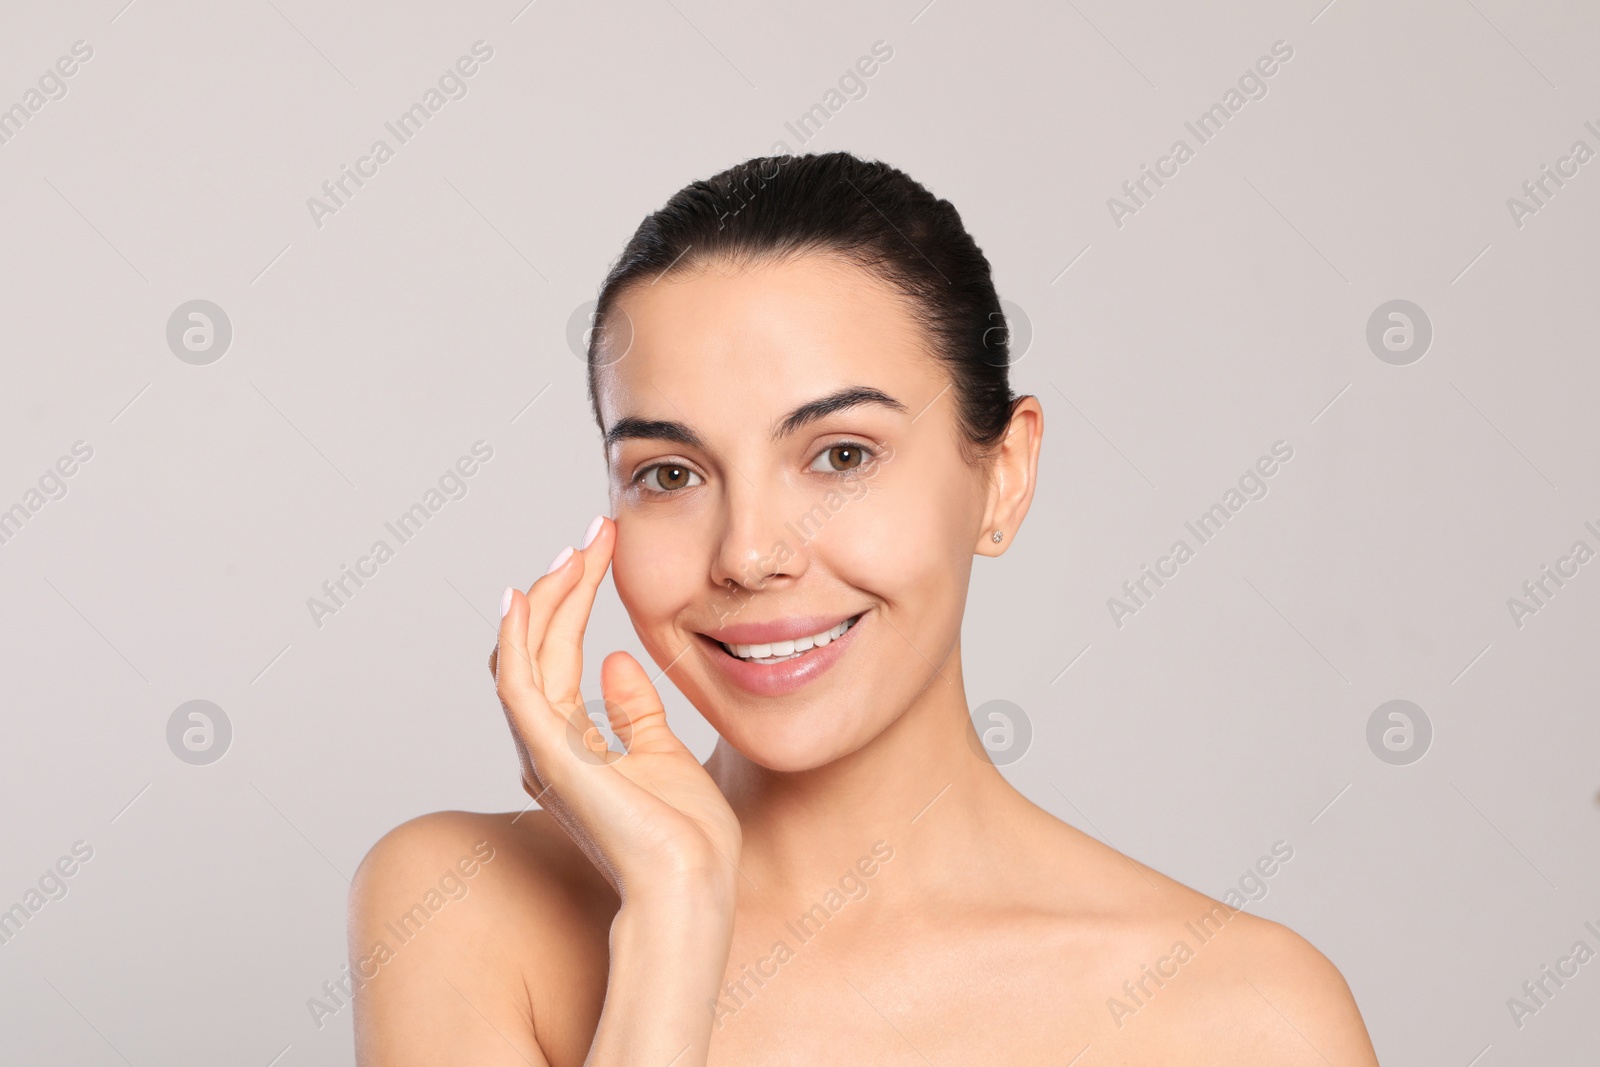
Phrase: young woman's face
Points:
(741, 504)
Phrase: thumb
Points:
(634, 707)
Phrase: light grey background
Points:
(1169, 353)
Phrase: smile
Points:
(778, 667)
(779, 651)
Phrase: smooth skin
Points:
(648, 911)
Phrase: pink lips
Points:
(786, 629)
(777, 679)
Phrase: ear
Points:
(1015, 473)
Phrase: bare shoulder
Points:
(1243, 988)
(475, 934)
(527, 852)
(1281, 998)
(1165, 973)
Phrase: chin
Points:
(791, 743)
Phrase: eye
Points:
(669, 477)
(845, 457)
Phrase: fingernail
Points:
(561, 558)
(505, 602)
(592, 532)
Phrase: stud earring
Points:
(996, 536)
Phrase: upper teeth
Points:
(789, 648)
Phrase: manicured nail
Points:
(593, 531)
(561, 558)
(505, 602)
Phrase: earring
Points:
(996, 536)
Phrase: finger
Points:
(544, 596)
(560, 658)
(634, 707)
(519, 688)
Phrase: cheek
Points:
(652, 573)
(905, 542)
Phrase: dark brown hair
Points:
(869, 213)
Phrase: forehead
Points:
(731, 346)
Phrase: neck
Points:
(919, 787)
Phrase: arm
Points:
(650, 1022)
(458, 990)
(442, 987)
(652, 822)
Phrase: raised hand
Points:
(651, 819)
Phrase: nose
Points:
(757, 547)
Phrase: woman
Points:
(800, 376)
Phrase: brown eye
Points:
(668, 477)
(844, 458)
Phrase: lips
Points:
(775, 651)
(786, 629)
(788, 675)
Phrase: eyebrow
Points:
(632, 426)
